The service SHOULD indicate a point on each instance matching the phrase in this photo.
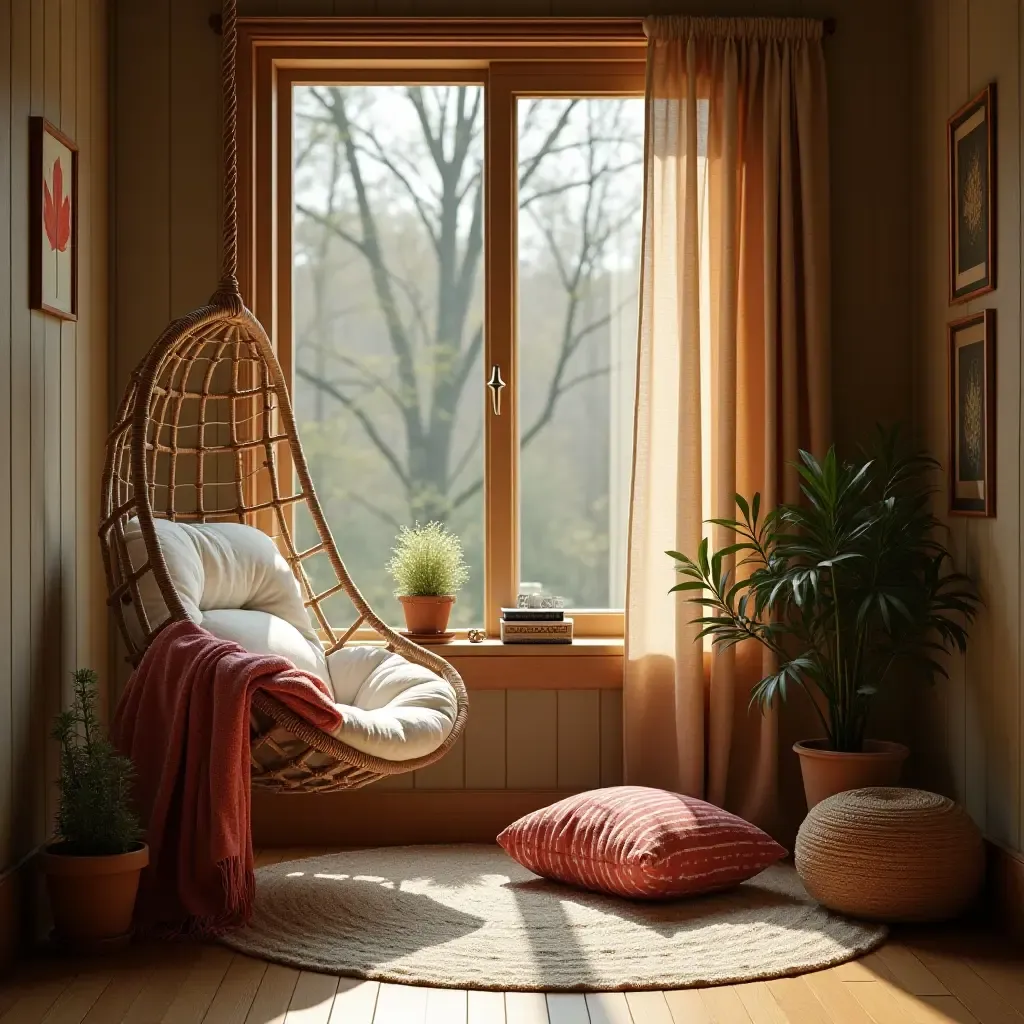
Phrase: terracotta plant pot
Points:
(827, 772)
(93, 898)
(427, 614)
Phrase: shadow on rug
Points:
(471, 917)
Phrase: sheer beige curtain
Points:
(733, 373)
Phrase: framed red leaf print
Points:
(53, 177)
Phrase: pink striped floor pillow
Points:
(640, 842)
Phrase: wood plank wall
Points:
(971, 729)
(530, 739)
(53, 397)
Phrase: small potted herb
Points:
(92, 870)
(429, 570)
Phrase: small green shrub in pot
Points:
(850, 589)
(429, 570)
(93, 868)
(95, 816)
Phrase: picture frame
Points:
(972, 414)
(970, 144)
(53, 202)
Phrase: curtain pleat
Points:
(733, 371)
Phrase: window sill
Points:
(462, 647)
(588, 663)
(586, 646)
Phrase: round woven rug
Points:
(471, 917)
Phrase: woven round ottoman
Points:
(891, 855)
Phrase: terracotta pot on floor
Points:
(827, 772)
(427, 614)
(93, 898)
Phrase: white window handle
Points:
(496, 384)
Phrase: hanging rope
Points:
(227, 293)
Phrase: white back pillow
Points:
(233, 582)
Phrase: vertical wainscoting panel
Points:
(142, 153)
(93, 340)
(53, 64)
(532, 739)
(448, 773)
(6, 334)
(67, 394)
(486, 748)
(995, 656)
(978, 658)
(403, 781)
(143, 200)
(931, 764)
(52, 654)
(1018, 842)
(611, 737)
(37, 778)
(973, 733)
(21, 344)
(194, 131)
(962, 718)
(579, 739)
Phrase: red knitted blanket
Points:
(184, 721)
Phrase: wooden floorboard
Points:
(939, 976)
(526, 1008)
(273, 996)
(567, 1008)
(447, 1006)
(608, 1008)
(355, 1002)
(234, 997)
(760, 1004)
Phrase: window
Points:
(388, 317)
(580, 197)
(435, 222)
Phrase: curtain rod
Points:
(828, 24)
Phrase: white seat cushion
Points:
(392, 708)
(234, 583)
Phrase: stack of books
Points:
(535, 626)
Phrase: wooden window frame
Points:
(510, 57)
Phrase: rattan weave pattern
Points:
(889, 854)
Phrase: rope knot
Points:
(226, 297)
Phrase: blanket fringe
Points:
(239, 885)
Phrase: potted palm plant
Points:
(429, 571)
(92, 870)
(848, 590)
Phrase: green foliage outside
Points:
(95, 817)
(850, 589)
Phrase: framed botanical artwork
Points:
(53, 238)
(970, 138)
(972, 414)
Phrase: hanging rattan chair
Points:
(205, 433)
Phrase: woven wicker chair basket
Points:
(205, 432)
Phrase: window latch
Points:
(496, 384)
